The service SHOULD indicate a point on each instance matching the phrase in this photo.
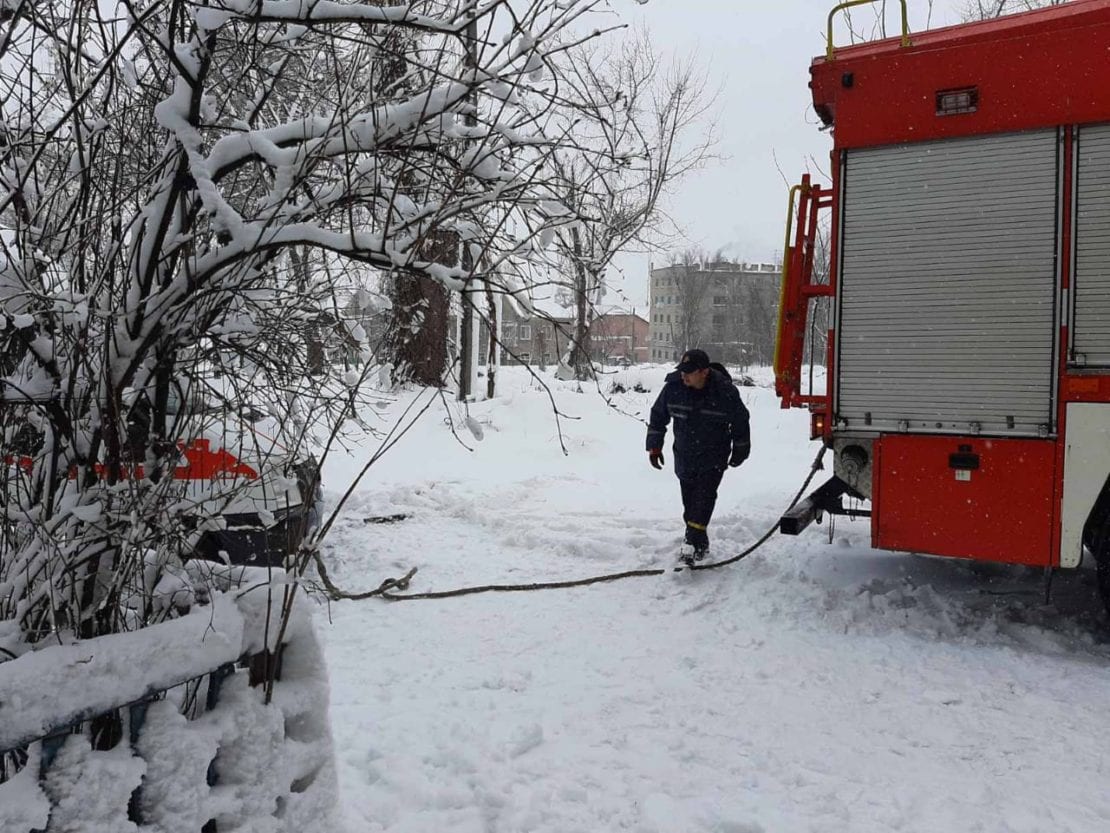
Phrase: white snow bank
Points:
(815, 686)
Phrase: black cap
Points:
(693, 360)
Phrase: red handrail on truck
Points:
(798, 290)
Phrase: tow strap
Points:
(386, 589)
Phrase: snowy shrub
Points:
(249, 756)
(184, 190)
(23, 804)
(177, 753)
(89, 789)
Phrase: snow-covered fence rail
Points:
(168, 729)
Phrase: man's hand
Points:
(740, 453)
(655, 455)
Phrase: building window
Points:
(508, 332)
(525, 333)
(719, 300)
(525, 358)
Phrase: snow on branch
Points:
(310, 12)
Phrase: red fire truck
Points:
(968, 387)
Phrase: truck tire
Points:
(1096, 538)
(1098, 519)
(1102, 571)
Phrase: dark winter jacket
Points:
(708, 423)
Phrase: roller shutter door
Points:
(1091, 326)
(948, 286)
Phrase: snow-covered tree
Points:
(986, 9)
(693, 292)
(640, 124)
(170, 171)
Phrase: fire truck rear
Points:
(968, 386)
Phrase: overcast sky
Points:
(758, 55)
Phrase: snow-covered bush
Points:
(176, 180)
(182, 183)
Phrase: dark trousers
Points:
(699, 496)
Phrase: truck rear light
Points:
(816, 425)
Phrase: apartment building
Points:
(727, 309)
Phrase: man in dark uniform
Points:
(711, 432)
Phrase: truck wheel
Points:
(1096, 538)
(1098, 520)
(1099, 545)
(1102, 571)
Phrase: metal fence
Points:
(207, 752)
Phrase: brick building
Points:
(619, 335)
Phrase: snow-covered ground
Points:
(811, 687)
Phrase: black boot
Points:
(693, 552)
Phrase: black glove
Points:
(655, 455)
(740, 453)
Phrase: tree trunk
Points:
(417, 335)
(315, 356)
(580, 350)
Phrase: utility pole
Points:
(466, 342)
(632, 335)
(467, 347)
